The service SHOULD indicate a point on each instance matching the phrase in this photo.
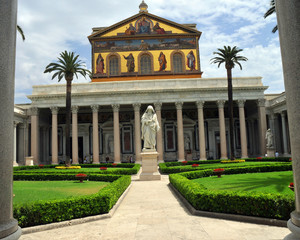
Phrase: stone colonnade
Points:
(136, 107)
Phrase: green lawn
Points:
(30, 191)
(271, 182)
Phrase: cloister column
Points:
(8, 21)
(262, 123)
(15, 144)
(288, 18)
(243, 132)
(137, 132)
(284, 135)
(220, 104)
(159, 142)
(117, 155)
(95, 134)
(202, 147)
(74, 135)
(35, 134)
(180, 137)
(54, 143)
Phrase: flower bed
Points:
(103, 168)
(81, 177)
(64, 167)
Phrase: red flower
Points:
(80, 175)
(103, 168)
(184, 162)
(259, 158)
(195, 165)
(41, 165)
(291, 184)
(290, 159)
(114, 164)
(219, 170)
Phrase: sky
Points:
(51, 27)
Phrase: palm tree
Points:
(21, 32)
(68, 65)
(270, 12)
(230, 57)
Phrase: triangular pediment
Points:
(143, 24)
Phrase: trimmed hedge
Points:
(122, 169)
(252, 204)
(43, 212)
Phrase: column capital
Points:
(271, 116)
(241, 103)
(75, 109)
(261, 102)
(283, 114)
(136, 107)
(95, 108)
(116, 107)
(54, 110)
(34, 111)
(16, 124)
(221, 103)
(200, 104)
(179, 105)
(157, 106)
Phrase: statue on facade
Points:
(130, 62)
(150, 127)
(269, 138)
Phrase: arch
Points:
(177, 62)
(113, 64)
(145, 63)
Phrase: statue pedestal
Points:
(270, 152)
(149, 165)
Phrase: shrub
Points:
(43, 212)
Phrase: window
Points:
(170, 137)
(145, 64)
(113, 65)
(177, 63)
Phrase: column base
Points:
(270, 152)
(295, 235)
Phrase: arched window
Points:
(145, 64)
(177, 63)
(113, 65)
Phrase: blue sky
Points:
(52, 27)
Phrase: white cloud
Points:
(52, 28)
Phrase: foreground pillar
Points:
(201, 134)
(8, 14)
(243, 133)
(159, 142)
(54, 142)
(95, 134)
(137, 132)
(117, 157)
(222, 129)
(288, 17)
(180, 137)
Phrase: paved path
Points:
(151, 211)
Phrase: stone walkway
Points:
(151, 211)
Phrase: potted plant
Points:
(195, 165)
(114, 164)
(291, 186)
(103, 168)
(41, 166)
(219, 171)
(184, 162)
(81, 176)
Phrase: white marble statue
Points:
(269, 138)
(150, 127)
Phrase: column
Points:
(137, 132)
(8, 21)
(202, 147)
(159, 142)
(117, 157)
(180, 137)
(54, 143)
(243, 132)
(95, 134)
(21, 144)
(74, 134)
(15, 144)
(35, 134)
(220, 104)
(288, 18)
(284, 134)
(262, 123)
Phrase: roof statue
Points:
(143, 7)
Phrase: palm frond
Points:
(20, 30)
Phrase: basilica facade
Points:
(148, 60)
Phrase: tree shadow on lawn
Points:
(254, 183)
